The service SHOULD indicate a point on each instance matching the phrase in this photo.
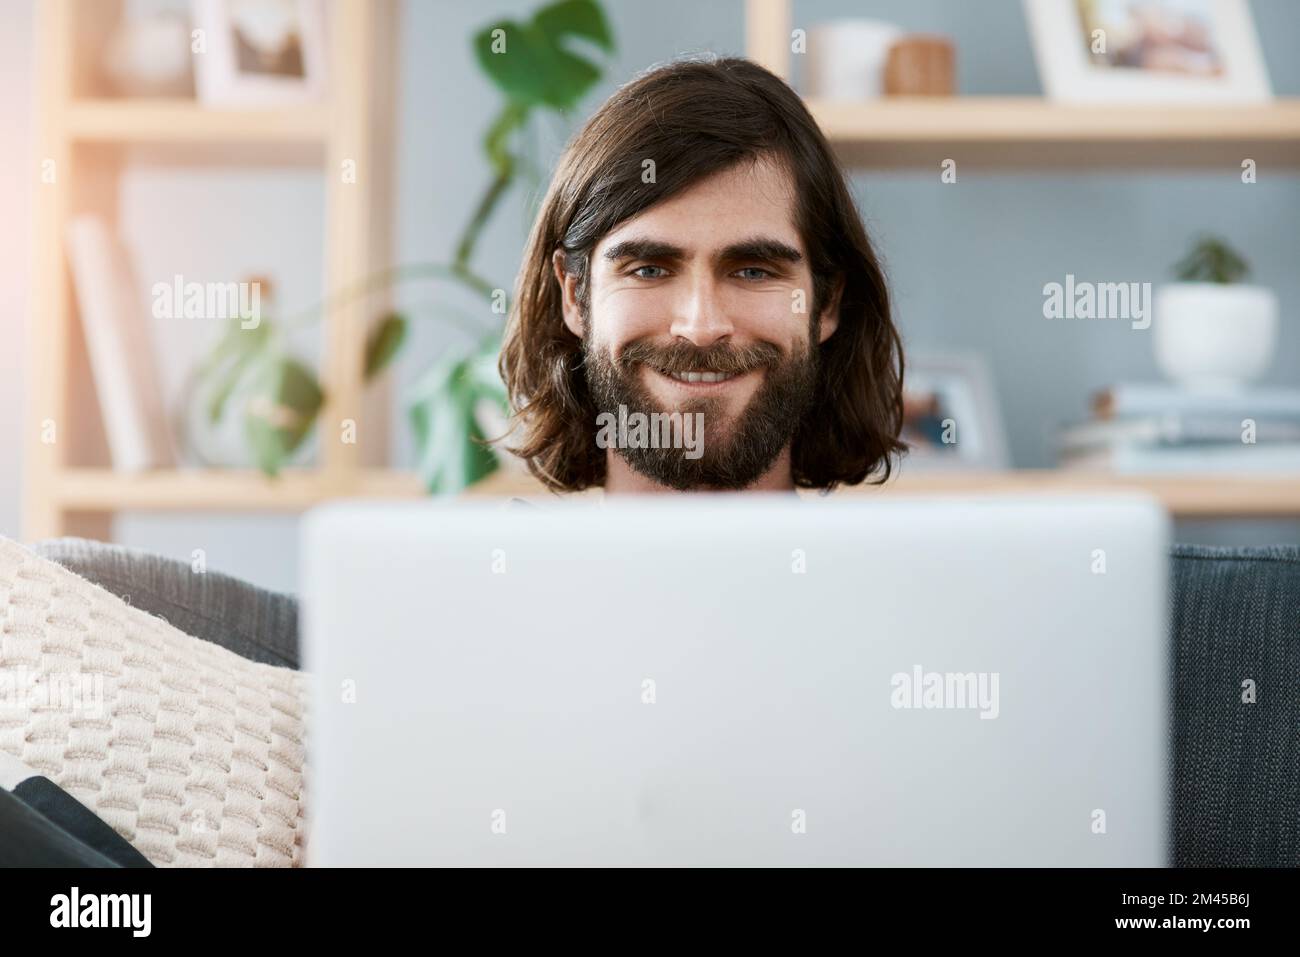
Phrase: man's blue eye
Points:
(754, 273)
(640, 271)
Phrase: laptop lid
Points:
(738, 680)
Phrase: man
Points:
(699, 259)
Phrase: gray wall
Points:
(967, 262)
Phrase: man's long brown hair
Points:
(694, 118)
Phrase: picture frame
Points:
(259, 53)
(952, 420)
(1148, 51)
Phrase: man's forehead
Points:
(739, 203)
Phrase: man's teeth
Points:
(702, 376)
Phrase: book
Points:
(1173, 429)
(121, 354)
(1137, 399)
(1213, 459)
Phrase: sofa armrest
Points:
(255, 623)
(1236, 754)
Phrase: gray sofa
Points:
(1235, 769)
(1235, 785)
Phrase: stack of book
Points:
(1137, 429)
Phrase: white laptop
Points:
(738, 680)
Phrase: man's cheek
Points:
(629, 314)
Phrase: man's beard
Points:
(735, 454)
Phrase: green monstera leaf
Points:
(384, 342)
(452, 447)
(532, 63)
(281, 409)
(233, 359)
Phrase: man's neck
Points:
(622, 479)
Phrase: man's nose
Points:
(699, 315)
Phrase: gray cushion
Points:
(1236, 766)
(254, 623)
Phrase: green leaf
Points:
(1211, 260)
(384, 342)
(579, 18)
(535, 66)
(232, 357)
(451, 451)
(281, 411)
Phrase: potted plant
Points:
(460, 400)
(1212, 331)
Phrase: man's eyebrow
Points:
(761, 249)
(757, 248)
(643, 249)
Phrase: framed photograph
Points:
(260, 53)
(1108, 51)
(951, 418)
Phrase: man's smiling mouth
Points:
(700, 380)
(702, 376)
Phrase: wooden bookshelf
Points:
(91, 138)
(1032, 132)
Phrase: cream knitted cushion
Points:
(190, 752)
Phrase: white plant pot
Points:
(846, 59)
(1214, 337)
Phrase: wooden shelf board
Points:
(1196, 496)
(1185, 496)
(234, 490)
(1032, 131)
(90, 490)
(180, 122)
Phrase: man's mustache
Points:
(679, 356)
